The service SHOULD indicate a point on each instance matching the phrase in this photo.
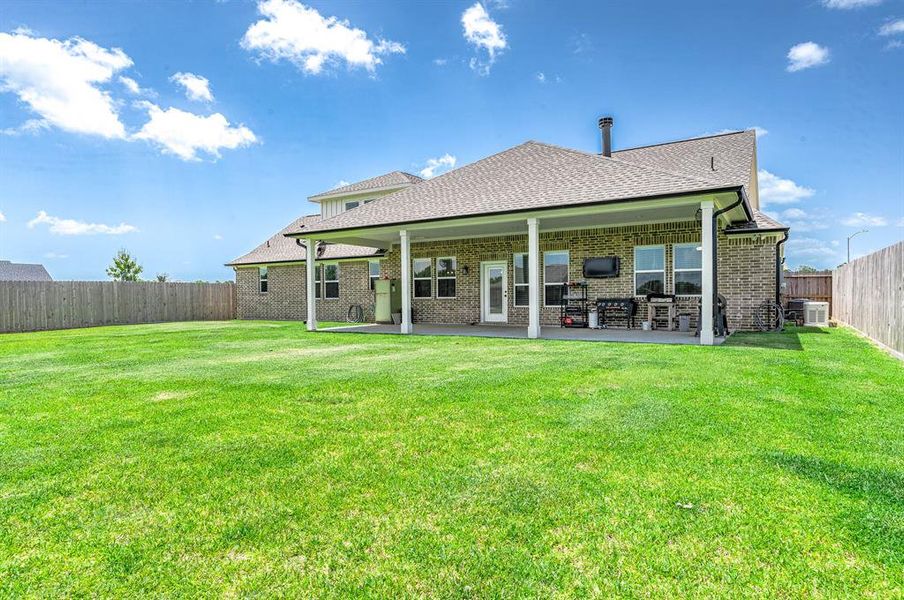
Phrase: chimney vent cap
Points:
(606, 122)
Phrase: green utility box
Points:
(389, 299)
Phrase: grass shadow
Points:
(876, 522)
(786, 340)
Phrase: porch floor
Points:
(520, 332)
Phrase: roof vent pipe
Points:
(606, 129)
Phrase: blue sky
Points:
(111, 138)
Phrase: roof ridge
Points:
(692, 139)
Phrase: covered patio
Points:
(547, 333)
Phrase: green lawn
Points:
(254, 458)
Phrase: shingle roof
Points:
(279, 248)
(10, 271)
(389, 180)
(532, 175)
(761, 222)
(725, 158)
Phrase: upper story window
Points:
(262, 279)
(649, 270)
(352, 204)
(687, 266)
(446, 269)
(555, 273)
(423, 277)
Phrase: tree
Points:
(161, 277)
(807, 269)
(124, 267)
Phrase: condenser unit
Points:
(816, 314)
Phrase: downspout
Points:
(778, 269)
(720, 329)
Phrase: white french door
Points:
(494, 292)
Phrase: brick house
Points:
(492, 241)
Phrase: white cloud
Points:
(484, 34)
(800, 220)
(301, 35)
(541, 77)
(2, 217)
(196, 87)
(759, 131)
(55, 255)
(892, 27)
(59, 81)
(60, 226)
(440, 62)
(894, 44)
(217, 236)
(848, 4)
(435, 166)
(341, 183)
(130, 84)
(807, 55)
(816, 252)
(899, 222)
(859, 219)
(31, 126)
(775, 190)
(185, 134)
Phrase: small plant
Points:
(124, 267)
(161, 277)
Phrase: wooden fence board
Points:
(812, 286)
(869, 296)
(41, 305)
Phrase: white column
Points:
(533, 278)
(706, 300)
(406, 282)
(311, 301)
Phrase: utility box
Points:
(389, 299)
(816, 314)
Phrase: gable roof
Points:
(529, 176)
(381, 182)
(279, 249)
(10, 271)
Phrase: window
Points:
(331, 281)
(423, 278)
(318, 271)
(687, 264)
(555, 273)
(373, 272)
(520, 272)
(649, 270)
(262, 279)
(351, 205)
(446, 267)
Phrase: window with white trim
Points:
(373, 272)
(331, 281)
(318, 288)
(555, 273)
(352, 204)
(649, 270)
(446, 270)
(423, 277)
(687, 267)
(521, 279)
(262, 282)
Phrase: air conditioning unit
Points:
(816, 314)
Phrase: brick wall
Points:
(285, 297)
(746, 269)
(746, 275)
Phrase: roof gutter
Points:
(738, 189)
(778, 269)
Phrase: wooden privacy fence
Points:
(812, 286)
(869, 296)
(38, 305)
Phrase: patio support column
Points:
(533, 278)
(310, 295)
(406, 281)
(706, 296)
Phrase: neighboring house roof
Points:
(280, 249)
(761, 223)
(395, 179)
(10, 271)
(725, 158)
(535, 175)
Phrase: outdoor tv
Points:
(600, 267)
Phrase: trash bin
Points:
(684, 323)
